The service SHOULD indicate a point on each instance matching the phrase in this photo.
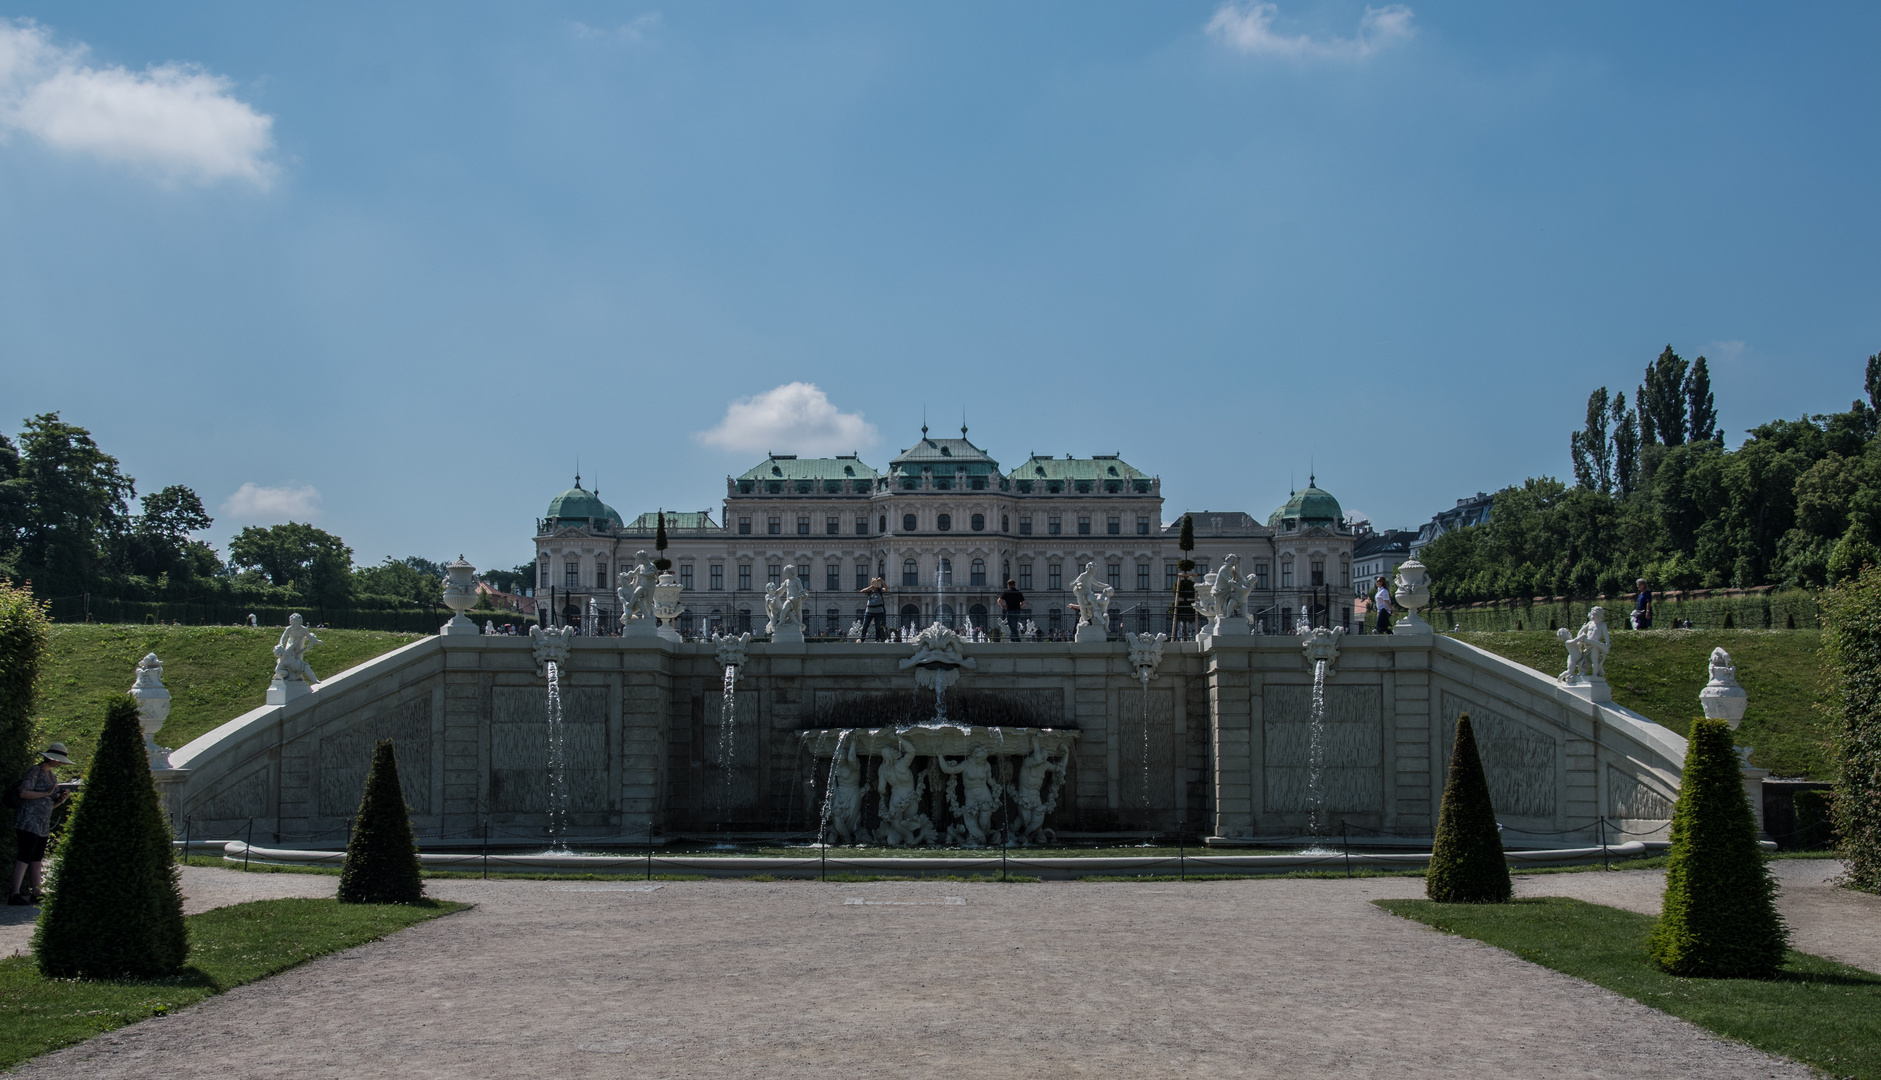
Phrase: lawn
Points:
(1658, 673)
(1816, 1011)
(214, 673)
(229, 946)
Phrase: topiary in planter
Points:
(115, 910)
(1719, 917)
(381, 857)
(1466, 862)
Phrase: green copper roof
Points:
(1100, 467)
(792, 467)
(949, 455)
(1309, 506)
(675, 519)
(580, 504)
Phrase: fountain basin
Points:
(944, 739)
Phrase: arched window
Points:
(944, 522)
(907, 523)
(910, 573)
(979, 572)
(834, 616)
(979, 523)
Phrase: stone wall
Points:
(1219, 744)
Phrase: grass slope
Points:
(228, 947)
(214, 674)
(1658, 673)
(1815, 1010)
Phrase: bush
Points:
(1815, 820)
(381, 857)
(1466, 862)
(115, 910)
(1852, 656)
(1719, 918)
(23, 636)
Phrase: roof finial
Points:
(577, 470)
(963, 421)
(924, 423)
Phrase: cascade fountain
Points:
(550, 649)
(731, 653)
(1321, 646)
(1146, 655)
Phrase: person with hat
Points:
(32, 823)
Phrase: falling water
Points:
(558, 773)
(829, 790)
(942, 677)
(727, 735)
(1143, 676)
(1317, 759)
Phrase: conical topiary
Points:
(1719, 917)
(381, 858)
(115, 910)
(1466, 863)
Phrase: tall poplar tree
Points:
(1662, 400)
(1625, 446)
(1701, 410)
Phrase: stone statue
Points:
(549, 646)
(1029, 795)
(635, 593)
(731, 651)
(845, 817)
(1723, 672)
(153, 707)
(900, 793)
(1228, 589)
(979, 799)
(290, 656)
(1146, 654)
(1596, 642)
(1092, 596)
(783, 605)
(937, 658)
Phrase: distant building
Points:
(1471, 511)
(945, 527)
(1376, 556)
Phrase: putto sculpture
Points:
(1029, 796)
(635, 593)
(1228, 593)
(293, 676)
(976, 803)
(783, 608)
(1587, 649)
(1092, 596)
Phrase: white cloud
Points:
(635, 30)
(174, 121)
(254, 503)
(795, 418)
(1728, 351)
(1250, 29)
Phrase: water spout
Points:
(728, 737)
(558, 769)
(1316, 760)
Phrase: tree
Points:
(1591, 447)
(14, 499)
(381, 856)
(1701, 410)
(312, 561)
(513, 581)
(1851, 651)
(24, 634)
(159, 539)
(1719, 917)
(115, 910)
(1466, 861)
(398, 579)
(1662, 400)
(77, 504)
(1625, 446)
(1872, 382)
(660, 561)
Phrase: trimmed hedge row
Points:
(1795, 609)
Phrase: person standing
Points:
(1642, 607)
(1010, 602)
(875, 613)
(1382, 601)
(32, 823)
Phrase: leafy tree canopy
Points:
(313, 561)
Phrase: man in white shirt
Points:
(1381, 600)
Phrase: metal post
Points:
(486, 849)
(248, 844)
(649, 849)
(1345, 843)
(823, 854)
(186, 832)
(1603, 843)
(1182, 851)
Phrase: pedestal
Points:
(1590, 688)
(666, 631)
(282, 691)
(1090, 632)
(1227, 626)
(1410, 623)
(460, 625)
(787, 635)
(641, 628)
(1753, 789)
(170, 792)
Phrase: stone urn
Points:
(1722, 698)
(153, 707)
(1413, 592)
(460, 595)
(666, 606)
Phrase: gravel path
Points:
(746, 979)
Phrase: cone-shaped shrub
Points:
(115, 910)
(1719, 917)
(1466, 863)
(381, 858)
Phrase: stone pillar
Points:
(1234, 726)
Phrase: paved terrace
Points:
(748, 979)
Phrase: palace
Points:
(945, 527)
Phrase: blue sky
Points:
(396, 267)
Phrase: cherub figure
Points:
(290, 656)
(980, 797)
(1029, 792)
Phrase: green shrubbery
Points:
(381, 857)
(115, 910)
(23, 636)
(1815, 820)
(1719, 918)
(1852, 651)
(1466, 862)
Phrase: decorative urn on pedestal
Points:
(666, 606)
(1722, 698)
(153, 707)
(1413, 592)
(460, 595)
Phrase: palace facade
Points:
(945, 526)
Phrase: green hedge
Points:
(23, 638)
(1852, 654)
(1794, 609)
(406, 620)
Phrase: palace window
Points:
(979, 523)
(1169, 576)
(944, 522)
(979, 483)
(1005, 523)
(1286, 574)
(600, 574)
(775, 572)
(833, 576)
(775, 526)
(944, 483)
(862, 525)
(744, 526)
(944, 572)
(1319, 572)
(1025, 575)
(803, 524)
(775, 487)
(862, 575)
(909, 483)
(977, 572)
(744, 576)
(1260, 575)
(881, 525)
(1142, 524)
(685, 575)
(1084, 485)
(1025, 524)
(1114, 526)
(833, 525)
(1116, 575)
(571, 574)
(803, 487)
(1055, 486)
(1142, 577)
(1053, 525)
(832, 487)
(831, 618)
(910, 573)
(1025, 487)
(907, 523)
(1055, 576)
(542, 573)
(716, 576)
(1084, 524)
(803, 574)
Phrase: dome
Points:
(580, 504)
(1311, 505)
